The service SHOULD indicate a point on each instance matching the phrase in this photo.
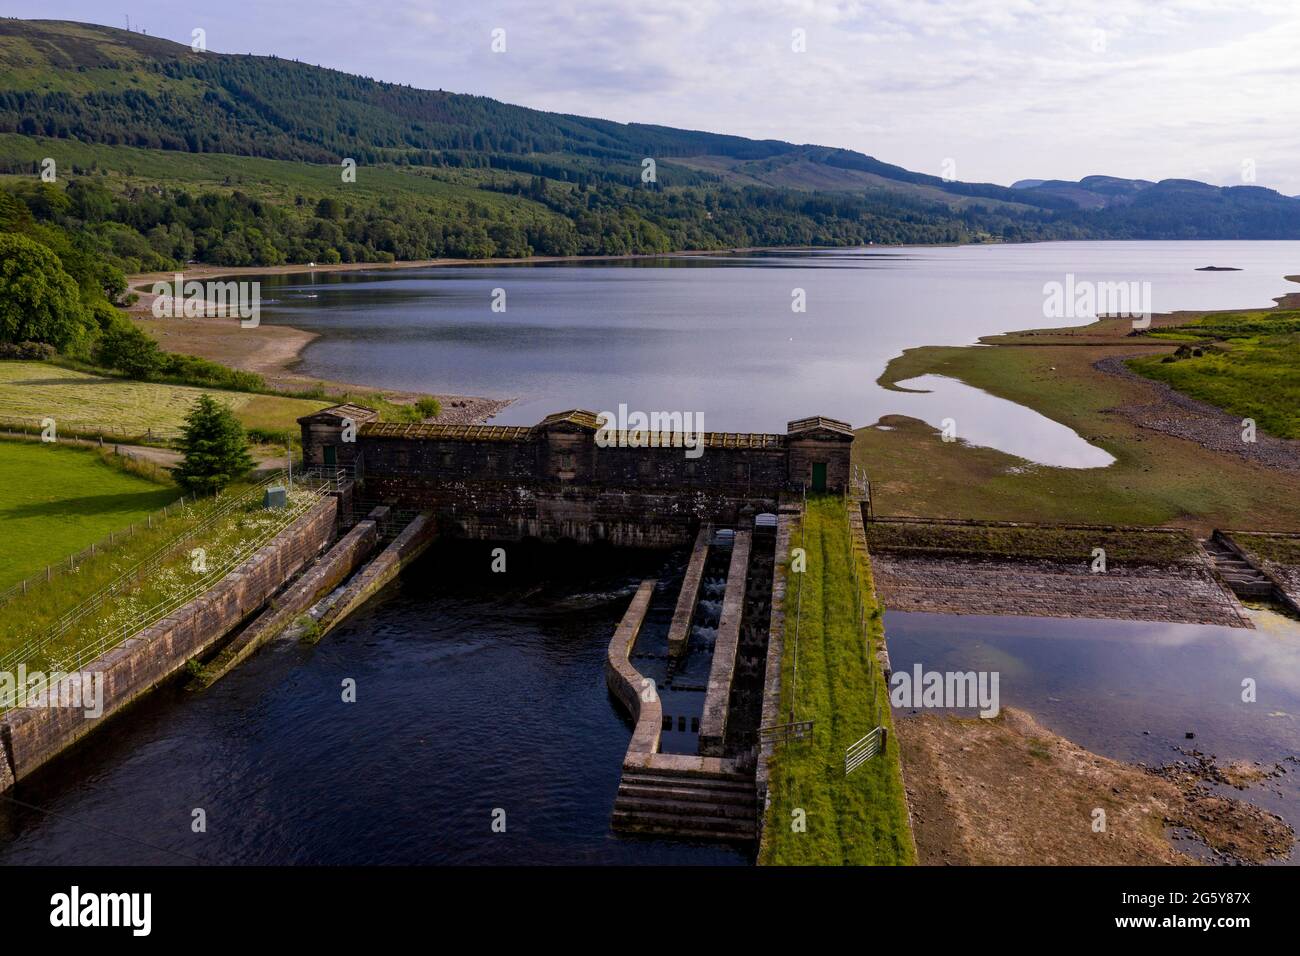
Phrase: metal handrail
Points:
(155, 558)
(87, 652)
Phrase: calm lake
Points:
(717, 335)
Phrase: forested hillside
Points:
(163, 155)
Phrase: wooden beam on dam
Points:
(713, 724)
(679, 631)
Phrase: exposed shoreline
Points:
(1008, 790)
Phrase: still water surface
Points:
(717, 334)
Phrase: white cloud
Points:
(1009, 88)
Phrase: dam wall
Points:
(30, 736)
(569, 478)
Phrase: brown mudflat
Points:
(1009, 791)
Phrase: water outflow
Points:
(475, 693)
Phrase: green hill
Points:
(167, 155)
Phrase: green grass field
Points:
(31, 391)
(229, 529)
(860, 819)
(56, 500)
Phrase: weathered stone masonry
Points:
(566, 479)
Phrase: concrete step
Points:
(690, 778)
(1262, 589)
(687, 809)
(685, 833)
(687, 795)
(671, 824)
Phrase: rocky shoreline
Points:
(1211, 428)
(1009, 791)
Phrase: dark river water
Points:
(475, 692)
(717, 335)
(1132, 690)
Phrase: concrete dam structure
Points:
(567, 479)
(695, 662)
(692, 665)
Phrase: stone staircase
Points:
(695, 805)
(1246, 580)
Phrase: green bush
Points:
(39, 301)
(214, 446)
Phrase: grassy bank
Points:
(1247, 363)
(1156, 478)
(860, 819)
(139, 581)
(80, 402)
(56, 500)
(1065, 544)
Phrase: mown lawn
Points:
(860, 819)
(77, 401)
(56, 500)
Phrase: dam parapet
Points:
(568, 477)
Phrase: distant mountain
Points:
(101, 85)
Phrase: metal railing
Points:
(783, 733)
(90, 431)
(87, 651)
(863, 750)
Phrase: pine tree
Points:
(215, 448)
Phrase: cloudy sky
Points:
(1005, 89)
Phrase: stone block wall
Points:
(34, 735)
(626, 682)
(586, 514)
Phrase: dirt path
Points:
(1009, 791)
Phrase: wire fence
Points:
(74, 561)
(89, 431)
(82, 652)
